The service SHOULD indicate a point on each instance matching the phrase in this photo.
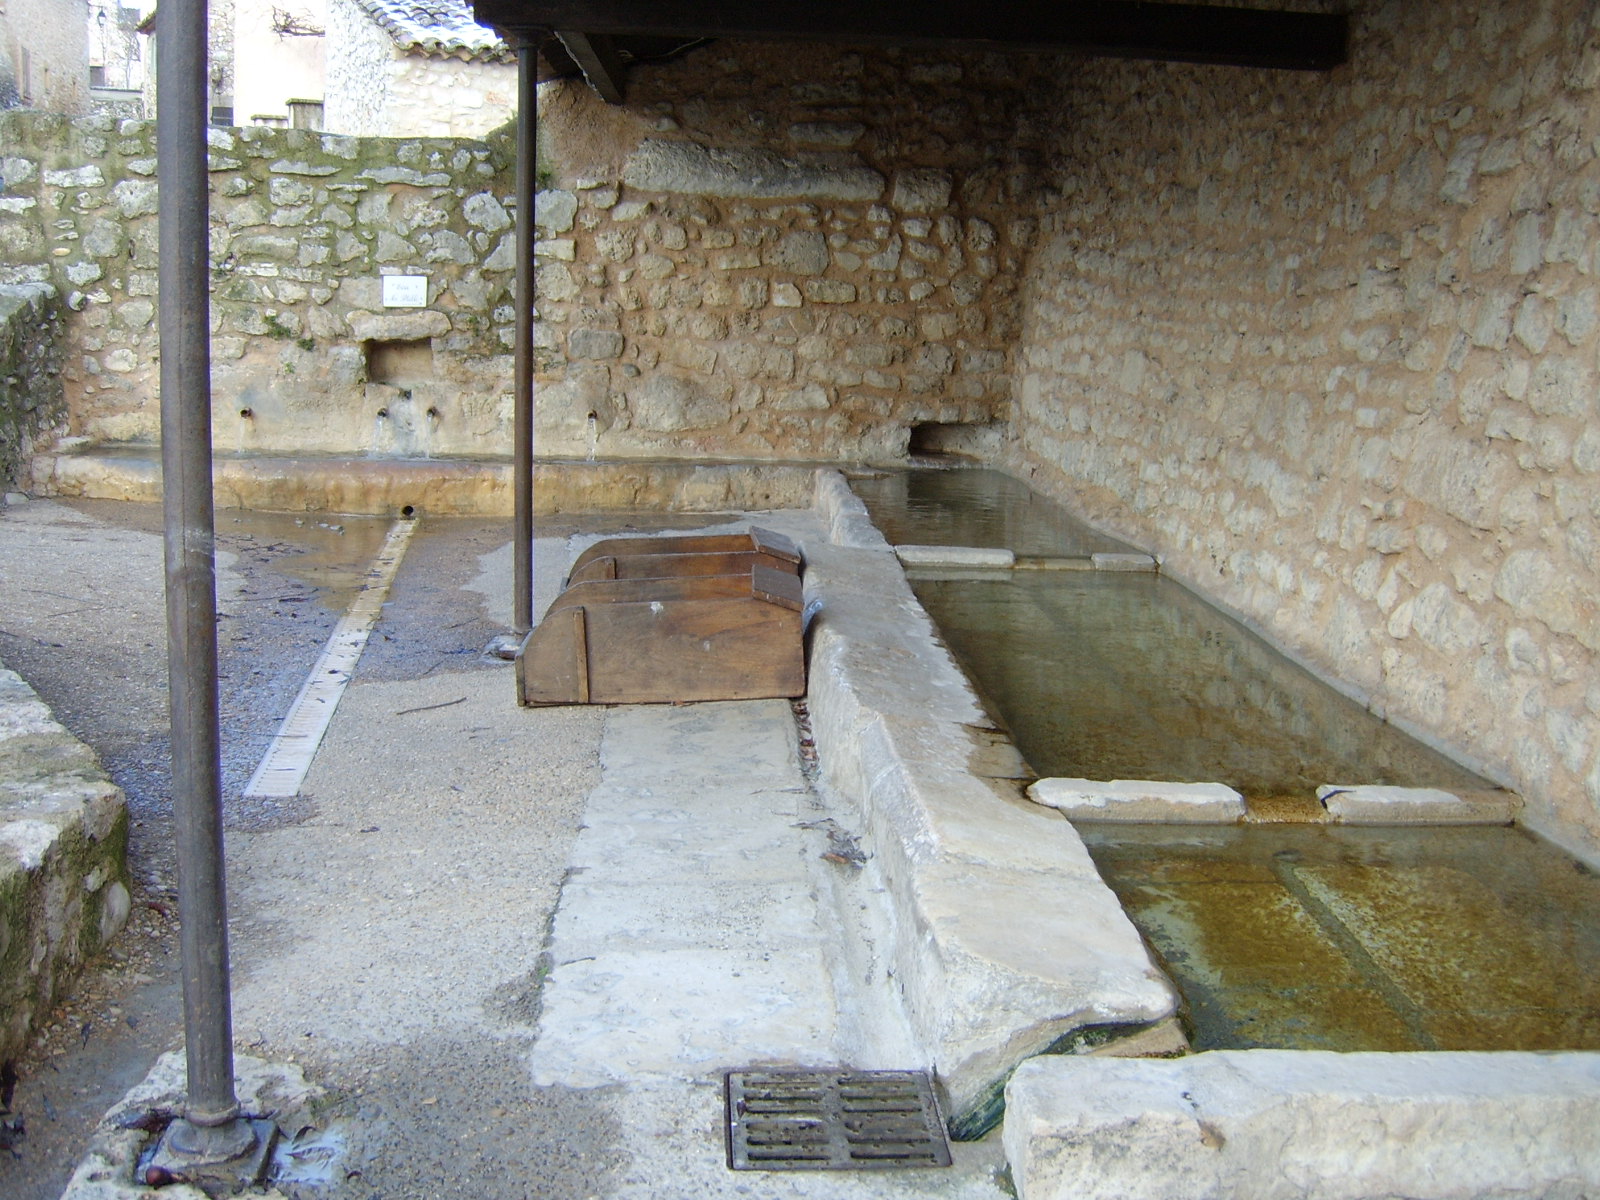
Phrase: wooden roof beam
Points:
(1203, 33)
(597, 59)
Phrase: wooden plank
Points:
(597, 59)
(696, 544)
(1205, 33)
(580, 652)
(666, 566)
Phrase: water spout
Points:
(594, 436)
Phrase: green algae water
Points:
(976, 507)
(1113, 675)
(1309, 937)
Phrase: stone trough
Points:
(1036, 1000)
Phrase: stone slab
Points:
(1140, 800)
(1123, 562)
(743, 173)
(1383, 805)
(1274, 1124)
(955, 556)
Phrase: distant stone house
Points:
(44, 55)
(415, 68)
(379, 68)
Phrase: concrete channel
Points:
(577, 919)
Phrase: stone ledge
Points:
(1380, 805)
(1008, 943)
(1311, 1125)
(63, 860)
(1140, 800)
(439, 487)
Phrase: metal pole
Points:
(212, 1127)
(522, 420)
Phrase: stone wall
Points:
(790, 252)
(1328, 344)
(375, 89)
(306, 357)
(63, 860)
(31, 399)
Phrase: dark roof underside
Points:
(1202, 33)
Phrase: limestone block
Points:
(1140, 800)
(956, 556)
(1306, 1125)
(921, 191)
(553, 210)
(410, 325)
(136, 198)
(482, 211)
(803, 252)
(738, 173)
(594, 343)
(830, 291)
(1108, 561)
(1383, 805)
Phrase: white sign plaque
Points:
(405, 291)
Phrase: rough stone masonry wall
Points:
(306, 359)
(781, 252)
(1329, 345)
(31, 401)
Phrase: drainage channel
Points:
(289, 756)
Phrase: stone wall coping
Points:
(1007, 940)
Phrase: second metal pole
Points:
(522, 411)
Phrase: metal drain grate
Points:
(807, 1120)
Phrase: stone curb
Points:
(63, 860)
(1307, 1125)
(1008, 942)
(436, 486)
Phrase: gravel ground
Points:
(82, 619)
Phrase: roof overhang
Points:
(594, 30)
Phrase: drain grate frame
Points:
(832, 1119)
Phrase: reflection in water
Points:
(1104, 675)
(975, 507)
(1329, 938)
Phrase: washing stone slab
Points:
(1144, 800)
(1006, 941)
(1112, 561)
(1383, 805)
(955, 556)
(1306, 1125)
